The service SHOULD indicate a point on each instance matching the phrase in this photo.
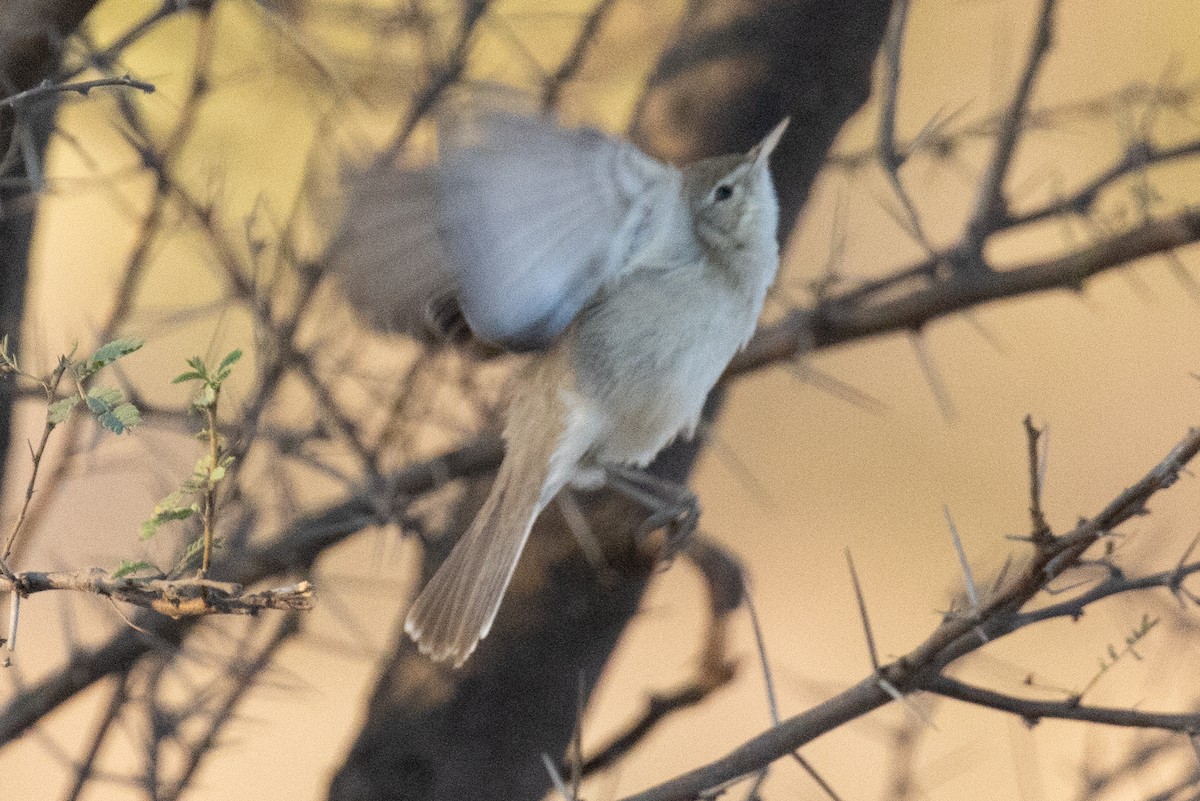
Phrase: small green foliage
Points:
(194, 549)
(226, 365)
(106, 355)
(196, 495)
(111, 410)
(172, 507)
(107, 405)
(129, 567)
(211, 379)
(60, 410)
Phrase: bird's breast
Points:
(647, 355)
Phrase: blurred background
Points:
(862, 446)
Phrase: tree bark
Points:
(31, 38)
(432, 733)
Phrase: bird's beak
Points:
(762, 151)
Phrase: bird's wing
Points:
(536, 218)
(387, 252)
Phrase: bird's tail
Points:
(456, 609)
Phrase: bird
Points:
(631, 282)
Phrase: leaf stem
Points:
(210, 489)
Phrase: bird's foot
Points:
(673, 508)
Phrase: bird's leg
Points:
(672, 507)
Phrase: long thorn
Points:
(968, 578)
(862, 611)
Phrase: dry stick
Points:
(442, 80)
(1070, 709)
(51, 390)
(990, 204)
(47, 88)
(105, 58)
(889, 156)
(1138, 156)
(210, 486)
(1041, 529)
(573, 63)
(192, 597)
(1114, 584)
(839, 320)
(938, 141)
(954, 638)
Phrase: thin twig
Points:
(1033, 710)
(991, 204)
(47, 88)
(889, 156)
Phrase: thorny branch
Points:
(904, 300)
(81, 87)
(922, 668)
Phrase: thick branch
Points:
(845, 319)
(174, 598)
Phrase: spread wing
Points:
(387, 253)
(535, 218)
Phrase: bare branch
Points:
(847, 318)
(179, 598)
(1041, 529)
(889, 155)
(954, 638)
(47, 88)
(991, 204)
(1033, 711)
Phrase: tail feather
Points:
(458, 605)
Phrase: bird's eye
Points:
(723, 192)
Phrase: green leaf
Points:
(168, 509)
(188, 376)
(110, 410)
(60, 410)
(216, 475)
(229, 361)
(128, 567)
(193, 550)
(109, 353)
(123, 418)
(109, 396)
